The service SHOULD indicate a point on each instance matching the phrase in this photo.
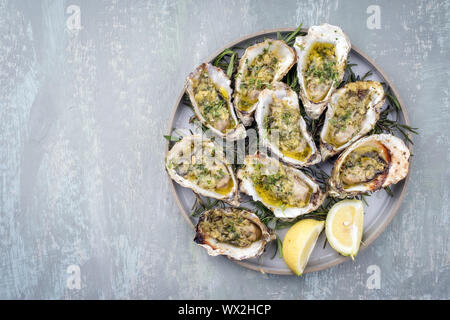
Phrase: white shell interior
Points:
(396, 148)
(281, 92)
(368, 123)
(247, 185)
(222, 81)
(252, 52)
(322, 33)
(188, 184)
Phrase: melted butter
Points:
(270, 199)
(349, 113)
(317, 71)
(224, 93)
(248, 103)
(267, 59)
(301, 156)
(231, 125)
(330, 139)
(366, 149)
(209, 93)
(227, 189)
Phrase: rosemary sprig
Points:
(291, 79)
(278, 248)
(290, 38)
(350, 75)
(313, 215)
(230, 68)
(384, 124)
(325, 243)
(186, 101)
(393, 100)
(263, 213)
(318, 174)
(267, 217)
(172, 138)
(393, 126)
(362, 197)
(389, 191)
(319, 214)
(201, 206)
(227, 66)
(366, 75)
(222, 55)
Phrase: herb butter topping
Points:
(320, 70)
(362, 165)
(212, 102)
(200, 167)
(282, 123)
(349, 114)
(278, 185)
(259, 75)
(230, 227)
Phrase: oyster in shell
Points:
(352, 112)
(261, 65)
(236, 233)
(285, 190)
(371, 163)
(210, 93)
(281, 127)
(322, 57)
(197, 163)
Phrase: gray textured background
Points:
(82, 114)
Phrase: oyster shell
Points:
(281, 127)
(371, 163)
(197, 163)
(322, 57)
(210, 93)
(261, 65)
(352, 112)
(247, 238)
(285, 190)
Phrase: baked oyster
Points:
(209, 90)
(197, 163)
(286, 191)
(322, 57)
(281, 127)
(261, 65)
(371, 163)
(352, 112)
(236, 233)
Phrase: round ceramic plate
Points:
(381, 207)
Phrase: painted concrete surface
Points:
(83, 107)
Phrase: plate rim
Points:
(375, 234)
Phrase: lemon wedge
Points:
(299, 243)
(344, 226)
